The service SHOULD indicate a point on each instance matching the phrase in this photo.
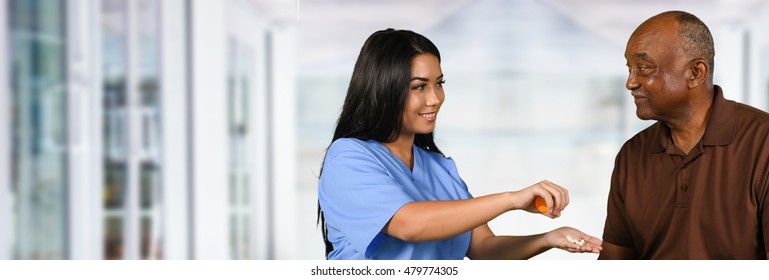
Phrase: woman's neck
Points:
(402, 148)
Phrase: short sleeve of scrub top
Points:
(363, 185)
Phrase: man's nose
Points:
(632, 82)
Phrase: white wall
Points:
(209, 135)
(175, 226)
(284, 187)
(759, 57)
(84, 131)
(729, 43)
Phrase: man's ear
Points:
(699, 69)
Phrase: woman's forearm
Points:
(435, 220)
(510, 247)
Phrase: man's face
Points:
(657, 70)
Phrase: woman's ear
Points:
(699, 70)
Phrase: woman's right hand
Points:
(556, 198)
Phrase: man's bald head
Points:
(670, 62)
(694, 37)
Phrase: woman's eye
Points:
(419, 87)
(440, 84)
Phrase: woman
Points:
(387, 192)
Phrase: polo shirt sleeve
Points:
(765, 206)
(616, 230)
(358, 196)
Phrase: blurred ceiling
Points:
(332, 29)
(613, 18)
(277, 10)
(341, 26)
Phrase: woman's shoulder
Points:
(347, 145)
(355, 152)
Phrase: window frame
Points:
(5, 145)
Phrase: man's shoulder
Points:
(747, 112)
(752, 122)
(643, 137)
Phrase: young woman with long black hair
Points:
(387, 192)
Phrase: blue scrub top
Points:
(362, 186)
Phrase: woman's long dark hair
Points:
(373, 108)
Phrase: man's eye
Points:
(644, 69)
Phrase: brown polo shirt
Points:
(710, 204)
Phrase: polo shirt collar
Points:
(722, 122)
(720, 128)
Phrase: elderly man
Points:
(694, 185)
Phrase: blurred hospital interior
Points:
(196, 129)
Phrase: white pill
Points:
(580, 242)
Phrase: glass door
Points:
(38, 78)
(239, 90)
(131, 129)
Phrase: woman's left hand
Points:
(573, 240)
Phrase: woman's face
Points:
(425, 95)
